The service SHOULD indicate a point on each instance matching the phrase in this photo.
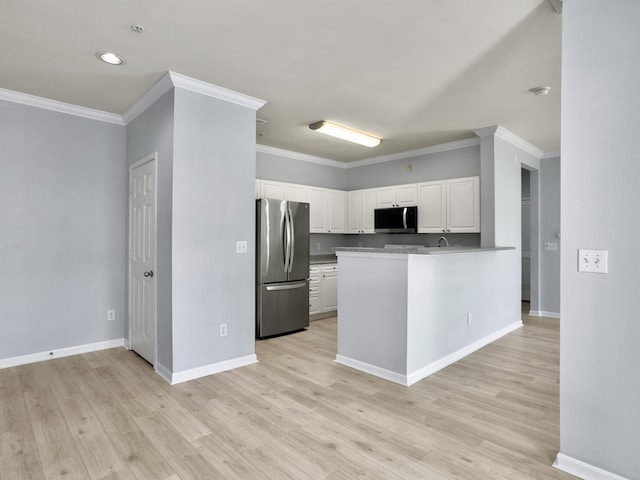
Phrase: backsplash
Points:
(327, 241)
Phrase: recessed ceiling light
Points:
(540, 91)
(110, 58)
(345, 133)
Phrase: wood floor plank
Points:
(295, 414)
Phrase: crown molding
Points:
(280, 152)
(173, 79)
(550, 155)
(151, 96)
(443, 147)
(215, 91)
(61, 107)
(512, 138)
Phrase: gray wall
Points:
(549, 230)
(462, 162)
(152, 131)
(290, 170)
(600, 334)
(62, 230)
(213, 206)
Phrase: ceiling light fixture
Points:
(110, 58)
(345, 133)
(540, 91)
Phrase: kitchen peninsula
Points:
(405, 314)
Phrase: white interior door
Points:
(142, 258)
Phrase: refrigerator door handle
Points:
(289, 286)
(404, 217)
(292, 244)
(287, 237)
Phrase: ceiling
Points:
(414, 72)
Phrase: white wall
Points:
(62, 230)
(600, 327)
(549, 230)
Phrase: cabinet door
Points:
(296, 193)
(335, 201)
(463, 205)
(368, 207)
(317, 217)
(407, 195)
(432, 207)
(329, 288)
(271, 189)
(355, 204)
(385, 197)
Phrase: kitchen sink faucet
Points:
(445, 241)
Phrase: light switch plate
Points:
(593, 261)
(550, 246)
(241, 246)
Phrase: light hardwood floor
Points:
(295, 415)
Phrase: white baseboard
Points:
(59, 353)
(372, 370)
(408, 380)
(583, 470)
(164, 372)
(459, 354)
(198, 372)
(542, 313)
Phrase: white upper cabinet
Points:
(296, 193)
(397, 196)
(317, 222)
(361, 206)
(449, 206)
(335, 211)
(271, 189)
(463, 205)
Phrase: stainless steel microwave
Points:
(396, 220)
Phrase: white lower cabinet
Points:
(329, 286)
(315, 272)
(323, 288)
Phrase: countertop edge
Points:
(418, 251)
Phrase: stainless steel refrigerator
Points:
(282, 267)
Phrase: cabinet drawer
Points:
(314, 305)
(315, 270)
(314, 279)
(314, 290)
(332, 267)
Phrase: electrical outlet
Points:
(468, 319)
(318, 246)
(223, 329)
(593, 261)
(241, 246)
(111, 315)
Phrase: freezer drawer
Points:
(281, 308)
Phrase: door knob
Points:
(149, 273)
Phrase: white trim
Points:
(198, 372)
(59, 353)
(152, 95)
(210, 90)
(512, 138)
(61, 107)
(372, 370)
(408, 380)
(459, 354)
(542, 313)
(279, 152)
(550, 155)
(164, 372)
(583, 470)
(443, 147)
